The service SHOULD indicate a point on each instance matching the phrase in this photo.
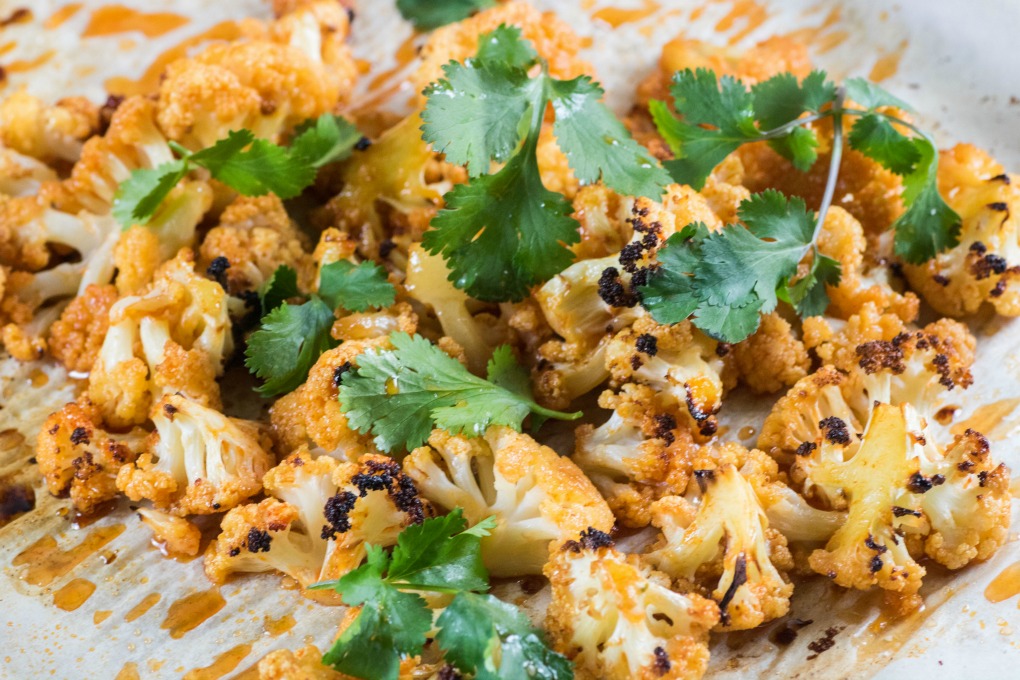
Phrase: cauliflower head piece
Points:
(617, 618)
(539, 499)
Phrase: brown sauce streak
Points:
(746, 432)
(1005, 585)
(128, 672)
(224, 663)
(10, 439)
(147, 603)
(277, 627)
(149, 81)
(989, 418)
(115, 19)
(47, 562)
(15, 500)
(618, 16)
(59, 17)
(74, 594)
(191, 611)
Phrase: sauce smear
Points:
(62, 15)
(47, 562)
(224, 663)
(128, 672)
(888, 64)
(987, 419)
(74, 594)
(114, 19)
(101, 616)
(1005, 585)
(277, 627)
(147, 603)
(191, 611)
(618, 16)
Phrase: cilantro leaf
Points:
(287, 345)
(596, 143)
(929, 225)
(263, 168)
(442, 555)
(139, 196)
(402, 394)
(781, 99)
(280, 287)
(355, 287)
(808, 295)
(326, 140)
(501, 234)
(871, 96)
(504, 371)
(493, 640)
(429, 14)
(875, 137)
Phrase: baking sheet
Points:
(954, 61)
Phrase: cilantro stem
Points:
(834, 162)
(181, 151)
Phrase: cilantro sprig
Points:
(503, 232)
(253, 167)
(293, 336)
(429, 14)
(401, 395)
(478, 634)
(716, 117)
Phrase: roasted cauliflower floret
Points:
(173, 338)
(602, 214)
(77, 457)
(21, 175)
(679, 363)
(635, 457)
(836, 343)
(303, 664)
(173, 535)
(617, 618)
(538, 498)
(772, 358)
(256, 236)
(298, 70)
(985, 266)
(321, 515)
(77, 336)
(48, 133)
(553, 39)
(198, 461)
(718, 538)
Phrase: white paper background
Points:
(960, 71)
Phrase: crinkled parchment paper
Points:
(955, 61)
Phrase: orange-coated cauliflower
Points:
(985, 266)
(48, 133)
(539, 499)
(77, 336)
(173, 535)
(618, 619)
(78, 457)
(772, 357)
(198, 461)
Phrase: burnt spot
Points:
(362, 144)
(15, 500)
(19, 15)
(983, 478)
(664, 426)
(806, 448)
(629, 256)
(258, 540)
(739, 579)
(722, 349)
(661, 664)
(234, 552)
(986, 265)
(899, 511)
(637, 281)
(965, 466)
(999, 206)
(590, 539)
(704, 478)
(1004, 178)
(85, 466)
(824, 643)
(835, 430)
(80, 436)
(707, 424)
(1000, 288)
(338, 373)
(877, 355)
(787, 633)
(386, 247)
(650, 240)
(918, 483)
(297, 461)
(612, 291)
(337, 512)
(448, 672)
(406, 498)
(636, 362)
(940, 279)
(267, 107)
(53, 430)
(170, 410)
(217, 270)
(875, 565)
(877, 547)
(647, 344)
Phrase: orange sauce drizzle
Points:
(191, 611)
(101, 616)
(149, 81)
(147, 603)
(888, 64)
(277, 627)
(1005, 585)
(746, 432)
(753, 15)
(74, 594)
(986, 419)
(224, 663)
(22, 65)
(618, 16)
(7, 47)
(47, 562)
(114, 19)
(59, 17)
(10, 439)
(128, 672)
(406, 52)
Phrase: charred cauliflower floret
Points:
(617, 618)
(198, 461)
(48, 133)
(298, 69)
(636, 456)
(255, 236)
(718, 538)
(985, 266)
(602, 215)
(174, 535)
(173, 338)
(553, 39)
(772, 358)
(836, 343)
(319, 518)
(538, 498)
(681, 365)
(77, 457)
